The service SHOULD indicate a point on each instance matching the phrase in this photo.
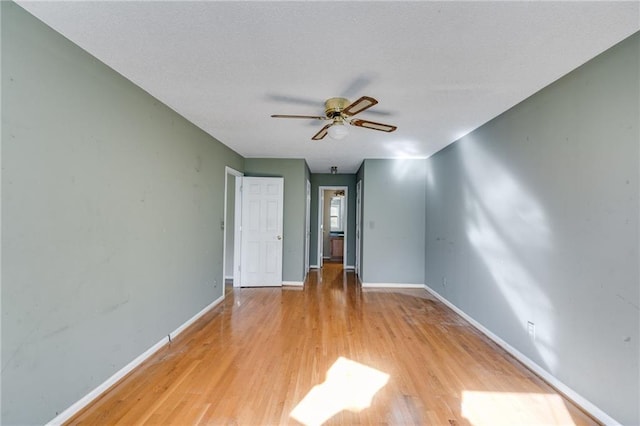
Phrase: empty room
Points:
(306, 213)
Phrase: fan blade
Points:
(373, 125)
(322, 133)
(358, 106)
(308, 117)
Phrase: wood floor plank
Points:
(264, 353)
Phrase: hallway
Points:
(394, 357)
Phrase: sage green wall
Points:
(294, 173)
(393, 227)
(326, 179)
(111, 211)
(534, 217)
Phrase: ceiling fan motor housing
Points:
(333, 107)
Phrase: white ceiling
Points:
(438, 69)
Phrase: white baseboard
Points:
(86, 400)
(548, 377)
(392, 285)
(350, 267)
(313, 267)
(229, 278)
(293, 283)
(101, 388)
(196, 317)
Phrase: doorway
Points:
(307, 231)
(358, 226)
(333, 224)
(231, 228)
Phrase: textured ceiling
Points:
(438, 69)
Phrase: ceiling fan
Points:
(340, 111)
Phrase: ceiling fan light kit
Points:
(339, 111)
(338, 130)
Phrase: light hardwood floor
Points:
(393, 357)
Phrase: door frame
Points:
(321, 190)
(236, 227)
(358, 226)
(307, 232)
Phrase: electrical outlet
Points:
(531, 329)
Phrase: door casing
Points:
(358, 226)
(307, 231)
(321, 190)
(236, 226)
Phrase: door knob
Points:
(279, 237)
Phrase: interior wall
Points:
(393, 226)
(327, 179)
(294, 173)
(111, 212)
(533, 217)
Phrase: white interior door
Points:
(262, 213)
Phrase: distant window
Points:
(336, 213)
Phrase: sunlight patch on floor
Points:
(512, 408)
(349, 385)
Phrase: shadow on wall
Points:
(539, 257)
(490, 242)
(501, 219)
